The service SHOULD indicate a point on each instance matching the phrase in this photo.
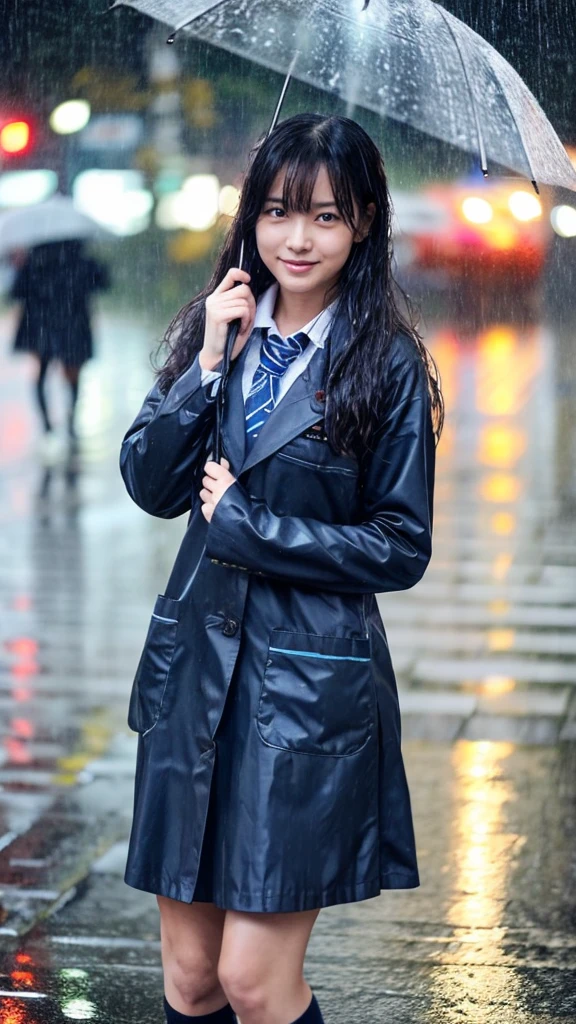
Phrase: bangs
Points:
(300, 179)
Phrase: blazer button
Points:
(230, 627)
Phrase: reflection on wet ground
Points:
(485, 653)
(486, 642)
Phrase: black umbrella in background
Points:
(407, 59)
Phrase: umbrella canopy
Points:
(56, 220)
(407, 59)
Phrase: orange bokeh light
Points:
(503, 523)
(15, 137)
(500, 488)
(25, 979)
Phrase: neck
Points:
(293, 311)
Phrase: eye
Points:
(274, 210)
(331, 215)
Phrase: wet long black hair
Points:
(366, 290)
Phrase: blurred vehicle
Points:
(486, 230)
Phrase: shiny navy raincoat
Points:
(269, 773)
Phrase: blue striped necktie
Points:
(276, 354)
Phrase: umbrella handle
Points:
(233, 329)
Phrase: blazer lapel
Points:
(299, 408)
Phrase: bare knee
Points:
(193, 976)
(246, 988)
(190, 950)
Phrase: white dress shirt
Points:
(317, 330)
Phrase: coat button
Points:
(230, 627)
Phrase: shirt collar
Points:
(316, 329)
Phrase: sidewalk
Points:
(489, 937)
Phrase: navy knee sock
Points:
(224, 1016)
(312, 1015)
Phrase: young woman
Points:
(270, 780)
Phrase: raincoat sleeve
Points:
(389, 550)
(165, 446)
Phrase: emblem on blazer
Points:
(316, 432)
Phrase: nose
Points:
(297, 240)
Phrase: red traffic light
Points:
(15, 138)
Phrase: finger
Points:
(206, 497)
(225, 463)
(233, 275)
(209, 484)
(207, 511)
(233, 296)
(225, 308)
(226, 316)
(242, 291)
(215, 471)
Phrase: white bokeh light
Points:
(477, 211)
(115, 199)
(195, 207)
(79, 1009)
(524, 206)
(69, 117)
(23, 188)
(563, 219)
(229, 199)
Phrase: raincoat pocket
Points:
(148, 699)
(317, 694)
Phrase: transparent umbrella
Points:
(55, 220)
(407, 59)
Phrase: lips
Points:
(298, 264)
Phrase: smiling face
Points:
(305, 251)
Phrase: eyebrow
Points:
(315, 206)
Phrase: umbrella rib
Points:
(456, 42)
(518, 129)
(283, 92)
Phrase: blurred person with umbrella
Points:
(54, 282)
(270, 780)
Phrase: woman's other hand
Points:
(231, 300)
(217, 480)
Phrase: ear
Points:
(366, 223)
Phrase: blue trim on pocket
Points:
(313, 654)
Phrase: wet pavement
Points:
(485, 653)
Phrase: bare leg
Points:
(191, 935)
(41, 392)
(72, 374)
(261, 965)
